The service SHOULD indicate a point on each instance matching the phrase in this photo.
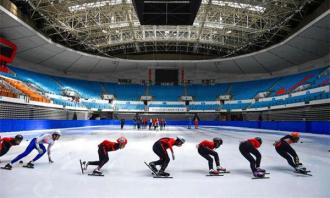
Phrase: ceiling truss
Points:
(221, 28)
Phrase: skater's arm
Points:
(172, 152)
(285, 137)
(48, 152)
(38, 141)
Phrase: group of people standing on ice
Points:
(206, 148)
(144, 123)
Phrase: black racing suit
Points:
(5, 146)
(103, 156)
(286, 151)
(246, 149)
(162, 154)
(207, 153)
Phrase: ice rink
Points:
(127, 176)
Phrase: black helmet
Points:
(217, 141)
(180, 140)
(18, 137)
(259, 139)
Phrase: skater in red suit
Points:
(7, 142)
(160, 149)
(249, 147)
(206, 150)
(105, 147)
(283, 148)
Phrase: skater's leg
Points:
(244, 151)
(280, 150)
(97, 163)
(216, 157)
(4, 148)
(293, 153)
(158, 149)
(162, 154)
(40, 154)
(257, 154)
(204, 153)
(27, 151)
(104, 158)
(166, 161)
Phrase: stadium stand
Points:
(35, 85)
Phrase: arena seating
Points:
(247, 90)
(167, 105)
(46, 82)
(204, 107)
(86, 89)
(322, 79)
(166, 93)
(235, 106)
(129, 106)
(125, 92)
(96, 105)
(288, 83)
(23, 81)
(34, 95)
(66, 103)
(6, 92)
(207, 92)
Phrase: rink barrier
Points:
(317, 127)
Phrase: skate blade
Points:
(214, 175)
(153, 172)
(224, 172)
(100, 175)
(5, 168)
(303, 174)
(28, 167)
(260, 177)
(167, 177)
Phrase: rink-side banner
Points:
(318, 127)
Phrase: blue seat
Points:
(125, 92)
(206, 92)
(45, 82)
(86, 89)
(166, 93)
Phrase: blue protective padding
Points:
(318, 127)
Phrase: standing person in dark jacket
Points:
(122, 123)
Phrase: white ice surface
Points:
(127, 176)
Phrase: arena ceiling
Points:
(111, 28)
(308, 43)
